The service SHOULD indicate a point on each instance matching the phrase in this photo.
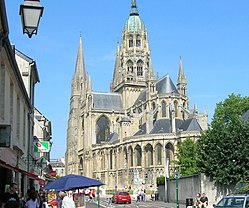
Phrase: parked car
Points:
(238, 201)
(121, 197)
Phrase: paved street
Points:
(146, 204)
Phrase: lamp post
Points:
(177, 175)
(98, 193)
(31, 12)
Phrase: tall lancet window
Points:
(130, 41)
(138, 42)
(163, 109)
(102, 129)
(140, 68)
(129, 66)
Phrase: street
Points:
(134, 204)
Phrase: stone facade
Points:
(124, 137)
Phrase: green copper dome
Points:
(134, 22)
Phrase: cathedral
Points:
(125, 137)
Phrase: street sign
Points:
(42, 146)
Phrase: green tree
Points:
(187, 157)
(223, 150)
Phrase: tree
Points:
(223, 150)
(186, 157)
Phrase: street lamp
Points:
(98, 179)
(31, 12)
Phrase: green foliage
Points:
(187, 157)
(242, 187)
(223, 150)
(160, 180)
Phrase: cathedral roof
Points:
(164, 126)
(190, 124)
(113, 138)
(134, 22)
(165, 85)
(108, 101)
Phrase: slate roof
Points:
(108, 101)
(142, 130)
(113, 138)
(245, 117)
(164, 126)
(163, 86)
(161, 126)
(190, 124)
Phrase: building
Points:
(125, 137)
(18, 77)
(58, 165)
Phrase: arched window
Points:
(149, 155)
(130, 41)
(159, 154)
(140, 68)
(163, 109)
(129, 66)
(169, 149)
(102, 129)
(131, 157)
(138, 152)
(138, 41)
(111, 161)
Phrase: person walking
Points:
(67, 202)
(11, 195)
(32, 201)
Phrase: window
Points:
(138, 43)
(139, 68)
(130, 41)
(129, 66)
(163, 109)
(102, 129)
(159, 154)
(139, 155)
(111, 162)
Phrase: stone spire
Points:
(116, 75)
(80, 63)
(181, 80)
(79, 78)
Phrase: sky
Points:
(212, 37)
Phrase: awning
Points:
(16, 169)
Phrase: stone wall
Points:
(190, 185)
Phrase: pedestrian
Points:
(138, 195)
(203, 201)
(197, 200)
(67, 202)
(32, 201)
(11, 196)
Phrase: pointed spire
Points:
(80, 63)
(134, 10)
(181, 72)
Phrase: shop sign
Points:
(42, 146)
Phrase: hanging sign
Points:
(42, 146)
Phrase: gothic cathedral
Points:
(125, 137)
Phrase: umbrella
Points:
(72, 181)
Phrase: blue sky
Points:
(211, 36)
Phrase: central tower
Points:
(133, 68)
